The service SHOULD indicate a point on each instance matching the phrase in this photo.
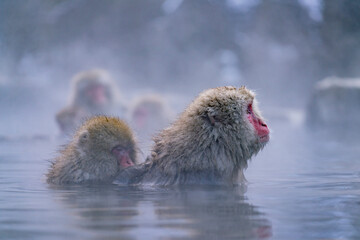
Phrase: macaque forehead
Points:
(84, 80)
(151, 103)
(90, 83)
(224, 97)
(109, 132)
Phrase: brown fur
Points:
(210, 143)
(88, 158)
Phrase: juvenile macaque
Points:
(94, 92)
(148, 115)
(210, 143)
(99, 149)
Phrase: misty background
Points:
(279, 48)
(300, 186)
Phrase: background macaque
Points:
(210, 143)
(100, 148)
(93, 92)
(149, 115)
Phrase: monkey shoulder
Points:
(65, 168)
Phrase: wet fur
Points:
(87, 158)
(210, 143)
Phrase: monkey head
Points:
(231, 114)
(100, 148)
(149, 111)
(222, 127)
(106, 143)
(93, 89)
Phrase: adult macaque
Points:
(210, 143)
(149, 115)
(93, 92)
(100, 148)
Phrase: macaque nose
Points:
(261, 123)
(124, 158)
(262, 129)
(127, 163)
(97, 94)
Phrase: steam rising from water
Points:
(175, 47)
(301, 186)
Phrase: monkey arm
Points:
(131, 175)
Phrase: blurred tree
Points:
(39, 26)
(279, 46)
(182, 44)
(20, 31)
(341, 36)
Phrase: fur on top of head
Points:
(154, 99)
(104, 133)
(153, 102)
(93, 76)
(221, 107)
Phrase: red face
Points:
(97, 94)
(123, 157)
(141, 115)
(261, 128)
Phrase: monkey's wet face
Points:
(122, 156)
(261, 128)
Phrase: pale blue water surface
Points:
(301, 186)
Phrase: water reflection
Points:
(191, 212)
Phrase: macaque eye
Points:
(118, 148)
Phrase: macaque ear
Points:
(83, 138)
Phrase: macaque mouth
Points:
(126, 162)
(122, 156)
(260, 126)
(265, 138)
